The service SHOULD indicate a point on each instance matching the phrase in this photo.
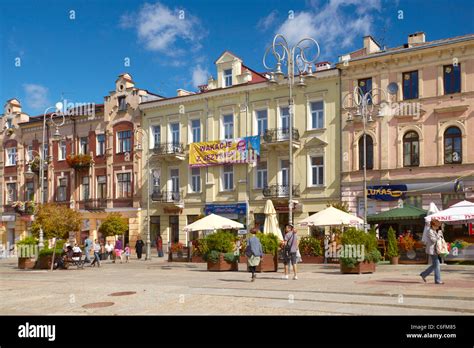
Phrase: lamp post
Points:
(361, 104)
(139, 147)
(294, 57)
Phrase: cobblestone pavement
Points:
(162, 288)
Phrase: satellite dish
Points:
(392, 88)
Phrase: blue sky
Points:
(81, 57)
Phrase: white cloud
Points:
(161, 28)
(337, 25)
(266, 22)
(36, 96)
(199, 76)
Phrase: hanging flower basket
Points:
(24, 208)
(79, 162)
(35, 164)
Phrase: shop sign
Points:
(10, 218)
(221, 209)
(172, 210)
(386, 192)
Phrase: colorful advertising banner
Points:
(386, 192)
(211, 153)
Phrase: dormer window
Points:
(9, 123)
(122, 104)
(227, 77)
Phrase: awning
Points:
(407, 212)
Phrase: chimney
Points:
(183, 92)
(323, 66)
(370, 45)
(416, 38)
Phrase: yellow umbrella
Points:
(271, 221)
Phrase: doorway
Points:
(174, 228)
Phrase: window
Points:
(415, 201)
(122, 105)
(410, 85)
(366, 86)
(227, 77)
(9, 123)
(285, 118)
(156, 131)
(317, 114)
(317, 170)
(448, 199)
(196, 179)
(156, 180)
(262, 175)
(369, 153)
(228, 124)
(174, 176)
(262, 122)
(45, 152)
(196, 131)
(29, 191)
(452, 145)
(174, 129)
(228, 178)
(124, 141)
(284, 172)
(61, 150)
(452, 78)
(411, 149)
(62, 187)
(11, 156)
(11, 193)
(85, 188)
(84, 145)
(102, 187)
(29, 153)
(100, 150)
(259, 221)
(124, 185)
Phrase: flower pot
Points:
(44, 262)
(26, 263)
(361, 267)
(269, 263)
(222, 265)
(394, 260)
(243, 259)
(413, 257)
(312, 259)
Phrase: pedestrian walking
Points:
(127, 253)
(290, 248)
(159, 245)
(87, 249)
(254, 253)
(118, 250)
(96, 248)
(103, 254)
(139, 247)
(109, 249)
(431, 238)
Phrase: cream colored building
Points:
(241, 102)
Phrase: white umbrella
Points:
(271, 221)
(433, 209)
(331, 217)
(457, 213)
(213, 222)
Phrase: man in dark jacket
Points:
(139, 247)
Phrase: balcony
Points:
(98, 204)
(167, 196)
(170, 151)
(278, 138)
(276, 191)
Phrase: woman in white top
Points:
(431, 239)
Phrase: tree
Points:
(392, 243)
(56, 220)
(114, 224)
(339, 205)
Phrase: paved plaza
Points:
(160, 288)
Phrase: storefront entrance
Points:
(155, 230)
(174, 228)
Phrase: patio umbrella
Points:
(433, 209)
(331, 217)
(461, 212)
(271, 221)
(213, 222)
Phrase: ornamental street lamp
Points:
(295, 57)
(139, 147)
(360, 104)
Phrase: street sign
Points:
(241, 232)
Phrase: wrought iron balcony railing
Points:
(169, 149)
(167, 196)
(95, 204)
(280, 191)
(280, 134)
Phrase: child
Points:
(127, 253)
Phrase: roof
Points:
(407, 212)
(39, 118)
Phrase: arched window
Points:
(370, 152)
(411, 149)
(452, 145)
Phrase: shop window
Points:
(415, 201)
(449, 199)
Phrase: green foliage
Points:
(212, 256)
(355, 237)
(392, 250)
(270, 243)
(57, 220)
(231, 257)
(221, 241)
(114, 224)
(200, 247)
(28, 241)
(310, 246)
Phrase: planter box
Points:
(269, 263)
(181, 256)
(222, 265)
(243, 259)
(361, 267)
(418, 258)
(197, 259)
(44, 262)
(26, 263)
(312, 259)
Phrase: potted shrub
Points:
(392, 248)
(80, 161)
(177, 253)
(45, 256)
(411, 252)
(199, 250)
(243, 246)
(27, 250)
(221, 255)
(311, 250)
(270, 246)
(359, 252)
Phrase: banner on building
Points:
(217, 152)
(386, 192)
(224, 209)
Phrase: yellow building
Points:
(239, 103)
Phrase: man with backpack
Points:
(435, 247)
(290, 248)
